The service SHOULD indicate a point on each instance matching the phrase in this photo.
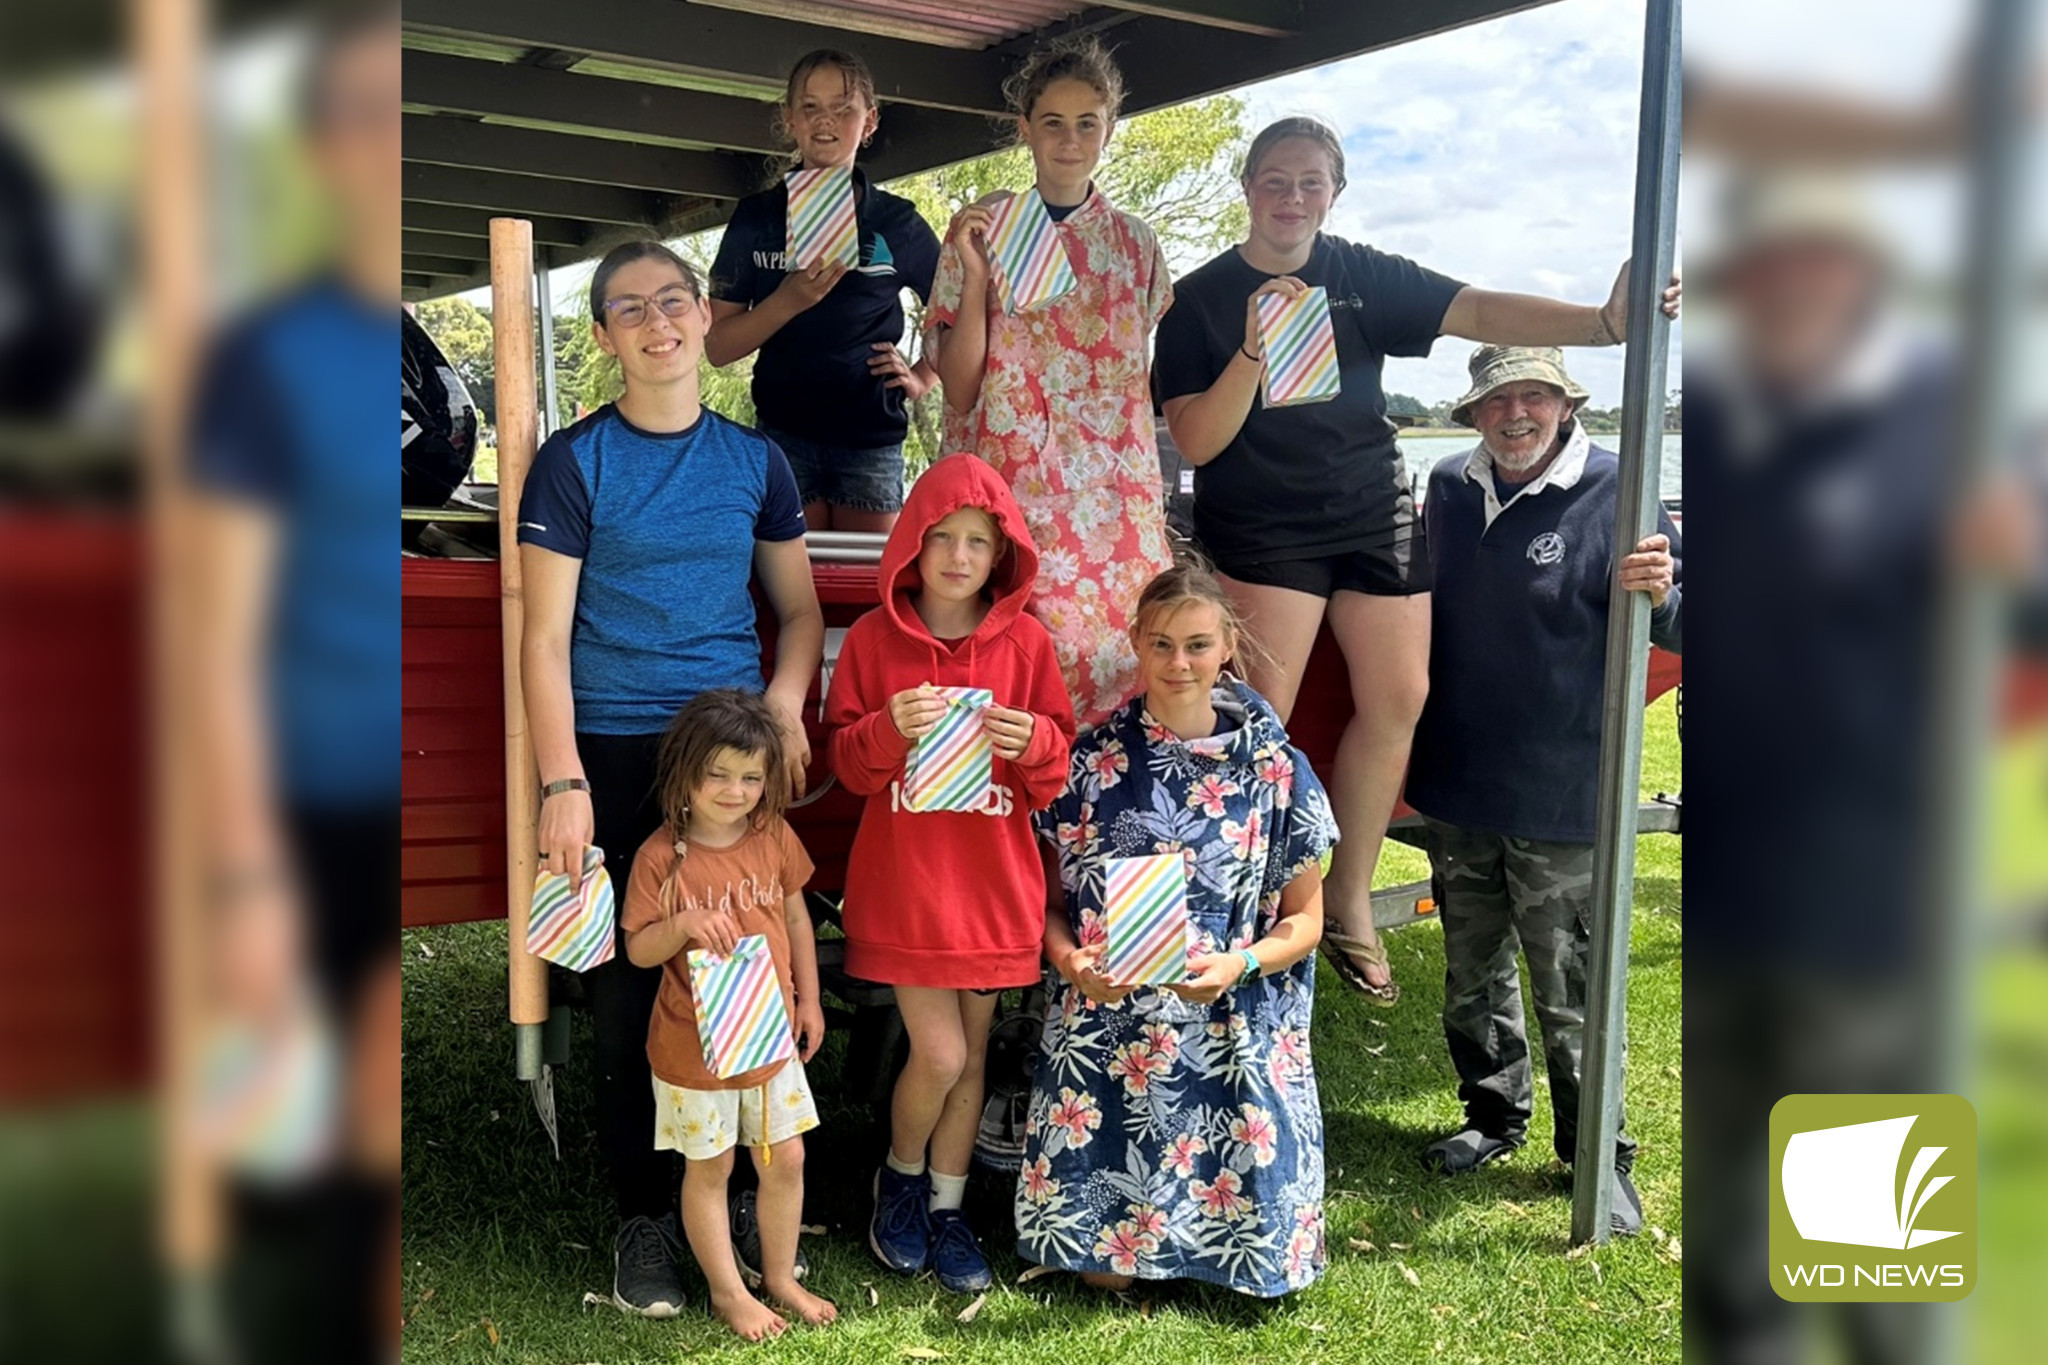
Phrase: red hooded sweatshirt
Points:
(951, 899)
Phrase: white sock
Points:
(948, 1191)
(903, 1167)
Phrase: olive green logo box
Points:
(1873, 1198)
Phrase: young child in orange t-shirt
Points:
(724, 866)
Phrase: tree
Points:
(463, 332)
(1407, 411)
(1174, 168)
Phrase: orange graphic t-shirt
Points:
(752, 879)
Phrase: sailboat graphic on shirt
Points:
(1842, 1185)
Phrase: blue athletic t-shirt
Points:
(665, 524)
(280, 423)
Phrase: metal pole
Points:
(1628, 624)
(1967, 631)
(546, 300)
(1968, 628)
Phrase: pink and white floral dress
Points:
(1065, 415)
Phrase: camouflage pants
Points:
(1494, 891)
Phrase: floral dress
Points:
(1168, 1140)
(1065, 416)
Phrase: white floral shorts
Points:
(702, 1124)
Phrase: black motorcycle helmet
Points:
(48, 324)
(438, 426)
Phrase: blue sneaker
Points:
(900, 1234)
(956, 1254)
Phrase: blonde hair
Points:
(859, 81)
(1188, 582)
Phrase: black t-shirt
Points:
(811, 378)
(1317, 478)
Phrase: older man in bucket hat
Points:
(1507, 753)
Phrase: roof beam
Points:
(442, 267)
(416, 286)
(471, 222)
(525, 92)
(732, 44)
(1166, 61)
(913, 140)
(445, 141)
(414, 241)
(1264, 18)
(520, 195)
(495, 89)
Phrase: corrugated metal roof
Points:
(977, 24)
(607, 117)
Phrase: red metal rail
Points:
(454, 840)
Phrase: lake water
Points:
(1423, 450)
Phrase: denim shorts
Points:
(861, 480)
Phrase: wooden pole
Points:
(517, 421)
(167, 41)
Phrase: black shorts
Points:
(1399, 568)
(349, 863)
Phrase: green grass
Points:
(501, 1242)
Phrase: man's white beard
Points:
(1516, 464)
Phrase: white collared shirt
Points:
(1562, 472)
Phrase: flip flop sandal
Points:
(1349, 957)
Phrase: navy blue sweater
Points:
(1509, 740)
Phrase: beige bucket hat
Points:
(1760, 209)
(1493, 366)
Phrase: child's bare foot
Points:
(802, 1302)
(748, 1316)
(1115, 1284)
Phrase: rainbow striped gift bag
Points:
(1300, 347)
(1024, 245)
(741, 1019)
(571, 930)
(1146, 906)
(822, 226)
(952, 766)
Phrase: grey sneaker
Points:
(746, 1241)
(1467, 1151)
(645, 1280)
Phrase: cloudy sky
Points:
(1502, 154)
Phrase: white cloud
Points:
(1502, 154)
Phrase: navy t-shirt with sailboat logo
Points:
(811, 379)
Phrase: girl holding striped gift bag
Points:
(1304, 504)
(1175, 1131)
(811, 274)
(948, 714)
(722, 877)
(1040, 318)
